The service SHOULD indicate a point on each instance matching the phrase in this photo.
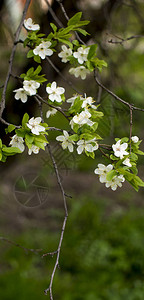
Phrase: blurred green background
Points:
(102, 255)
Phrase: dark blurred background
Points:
(102, 255)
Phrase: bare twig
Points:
(58, 22)
(131, 124)
(36, 251)
(49, 289)
(2, 104)
(62, 76)
(111, 41)
(115, 96)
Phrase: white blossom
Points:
(17, 141)
(119, 149)
(51, 112)
(43, 49)
(30, 25)
(33, 124)
(87, 146)
(102, 171)
(79, 71)
(66, 143)
(81, 54)
(88, 101)
(135, 139)
(83, 118)
(33, 149)
(65, 53)
(21, 94)
(115, 182)
(127, 163)
(55, 92)
(72, 99)
(31, 86)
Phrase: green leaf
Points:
(29, 138)
(38, 70)
(74, 20)
(10, 128)
(0, 143)
(37, 59)
(0, 155)
(53, 27)
(63, 41)
(111, 174)
(30, 54)
(30, 71)
(92, 51)
(140, 152)
(11, 150)
(25, 119)
(20, 132)
(74, 138)
(82, 31)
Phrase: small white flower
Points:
(51, 112)
(127, 163)
(30, 25)
(17, 141)
(43, 49)
(119, 149)
(31, 86)
(72, 99)
(102, 171)
(33, 124)
(65, 53)
(83, 118)
(55, 92)
(66, 143)
(81, 54)
(115, 182)
(87, 146)
(21, 94)
(135, 139)
(79, 71)
(33, 149)
(88, 101)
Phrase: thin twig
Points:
(19, 246)
(131, 124)
(67, 18)
(125, 40)
(59, 23)
(62, 76)
(49, 289)
(2, 104)
(115, 96)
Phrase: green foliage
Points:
(34, 75)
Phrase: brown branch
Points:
(59, 23)
(19, 246)
(3, 100)
(125, 40)
(131, 124)
(115, 96)
(49, 289)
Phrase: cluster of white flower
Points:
(51, 112)
(81, 56)
(83, 145)
(65, 53)
(43, 49)
(55, 92)
(79, 71)
(119, 149)
(29, 89)
(87, 146)
(66, 143)
(87, 101)
(81, 119)
(34, 126)
(17, 141)
(103, 170)
(29, 25)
